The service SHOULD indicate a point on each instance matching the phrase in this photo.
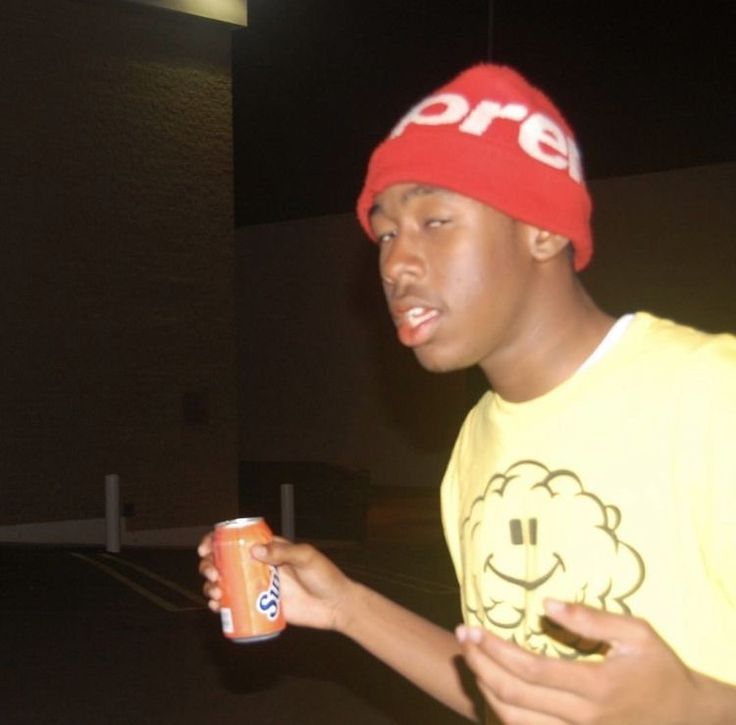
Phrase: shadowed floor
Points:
(89, 637)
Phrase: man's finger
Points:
(511, 695)
(205, 546)
(280, 551)
(520, 716)
(618, 630)
(575, 678)
(208, 570)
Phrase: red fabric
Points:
(505, 162)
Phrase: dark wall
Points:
(317, 83)
(117, 266)
(323, 377)
(648, 86)
(664, 243)
(648, 90)
(116, 285)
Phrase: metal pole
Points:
(287, 511)
(112, 513)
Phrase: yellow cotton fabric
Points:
(616, 489)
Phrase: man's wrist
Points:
(716, 702)
(347, 610)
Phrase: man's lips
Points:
(415, 324)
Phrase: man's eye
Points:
(385, 236)
(434, 223)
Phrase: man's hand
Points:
(640, 682)
(314, 592)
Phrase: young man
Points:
(590, 502)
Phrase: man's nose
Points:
(401, 258)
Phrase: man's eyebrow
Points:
(418, 190)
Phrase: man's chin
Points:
(435, 362)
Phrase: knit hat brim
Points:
(492, 169)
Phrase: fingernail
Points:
(258, 551)
(475, 634)
(468, 634)
(553, 607)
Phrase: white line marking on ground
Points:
(191, 596)
(151, 596)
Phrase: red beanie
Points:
(491, 136)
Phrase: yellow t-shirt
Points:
(616, 489)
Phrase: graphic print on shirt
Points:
(537, 533)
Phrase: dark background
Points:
(151, 332)
(648, 86)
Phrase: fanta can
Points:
(250, 607)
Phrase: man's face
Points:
(454, 273)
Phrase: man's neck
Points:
(567, 328)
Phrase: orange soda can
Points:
(250, 608)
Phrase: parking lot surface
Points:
(92, 637)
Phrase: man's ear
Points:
(544, 245)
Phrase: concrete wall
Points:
(116, 285)
(118, 275)
(322, 377)
(665, 243)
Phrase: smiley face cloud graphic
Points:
(537, 533)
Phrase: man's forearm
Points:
(421, 651)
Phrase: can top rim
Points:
(239, 522)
